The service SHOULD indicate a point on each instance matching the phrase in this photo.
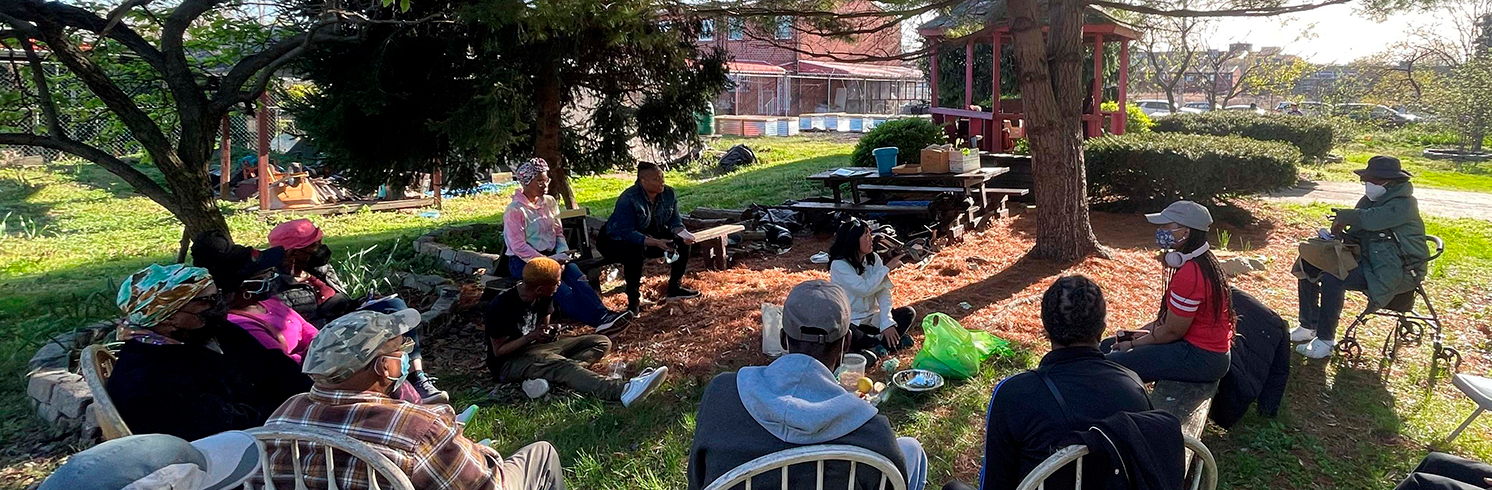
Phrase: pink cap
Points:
(294, 234)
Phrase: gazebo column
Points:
(933, 90)
(968, 74)
(995, 107)
(1121, 118)
(1095, 128)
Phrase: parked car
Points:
(1200, 106)
(1154, 108)
(1374, 113)
(1246, 107)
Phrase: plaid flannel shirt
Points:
(423, 440)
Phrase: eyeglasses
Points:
(407, 346)
(260, 286)
(210, 299)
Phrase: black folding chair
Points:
(1411, 325)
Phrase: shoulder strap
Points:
(1061, 402)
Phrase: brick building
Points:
(782, 68)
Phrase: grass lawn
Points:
(1438, 174)
(1341, 426)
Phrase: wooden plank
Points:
(1187, 401)
(355, 206)
(985, 173)
(580, 212)
(718, 232)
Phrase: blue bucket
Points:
(885, 159)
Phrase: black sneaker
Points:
(424, 384)
(614, 322)
(680, 292)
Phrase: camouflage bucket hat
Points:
(157, 292)
(349, 343)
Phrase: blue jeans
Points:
(916, 460)
(575, 297)
(390, 305)
(1321, 303)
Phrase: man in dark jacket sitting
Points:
(184, 370)
(646, 224)
(1032, 413)
(795, 402)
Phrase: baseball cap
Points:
(1184, 213)
(218, 462)
(349, 343)
(816, 304)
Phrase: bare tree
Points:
(1172, 47)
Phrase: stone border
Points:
(456, 260)
(53, 387)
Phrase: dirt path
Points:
(1448, 204)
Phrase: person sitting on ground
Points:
(356, 361)
(1441, 471)
(247, 277)
(1191, 338)
(151, 461)
(310, 286)
(1387, 227)
(532, 229)
(521, 344)
(646, 224)
(183, 369)
(1027, 419)
(855, 266)
(795, 401)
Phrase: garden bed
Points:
(468, 249)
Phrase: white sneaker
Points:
(643, 385)
(1316, 349)
(1302, 334)
(535, 388)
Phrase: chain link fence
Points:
(100, 128)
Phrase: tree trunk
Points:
(551, 120)
(1478, 134)
(1053, 100)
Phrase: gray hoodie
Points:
(792, 402)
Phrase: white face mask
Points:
(1374, 191)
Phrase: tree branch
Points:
(137, 179)
(27, 15)
(43, 91)
(1241, 12)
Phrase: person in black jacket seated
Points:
(646, 224)
(795, 402)
(1027, 419)
(184, 370)
(1441, 471)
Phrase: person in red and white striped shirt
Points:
(1191, 336)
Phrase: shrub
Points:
(1311, 136)
(1135, 120)
(909, 136)
(1163, 167)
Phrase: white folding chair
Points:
(96, 364)
(1202, 472)
(289, 438)
(781, 460)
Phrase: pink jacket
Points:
(530, 227)
(279, 327)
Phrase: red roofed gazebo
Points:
(997, 125)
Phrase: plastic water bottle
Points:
(430, 214)
(618, 370)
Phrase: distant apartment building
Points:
(784, 68)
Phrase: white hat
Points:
(151, 461)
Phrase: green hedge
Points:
(1163, 167)
(909, 136)
(1135, 120)
(1312, 136)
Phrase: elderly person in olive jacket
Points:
(1386, 225)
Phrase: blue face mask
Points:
(1165, 239)
(403, 368)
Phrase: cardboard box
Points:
(935, 160)
(960, 162)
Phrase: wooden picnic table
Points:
(973, 183)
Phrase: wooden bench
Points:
(1187, 401)
(858, 208)
(939, 190)
(715, 239)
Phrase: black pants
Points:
(868, 337)
(632, 256)
(1440, 471)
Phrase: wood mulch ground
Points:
(985, 282)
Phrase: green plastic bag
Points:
(950, 350)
